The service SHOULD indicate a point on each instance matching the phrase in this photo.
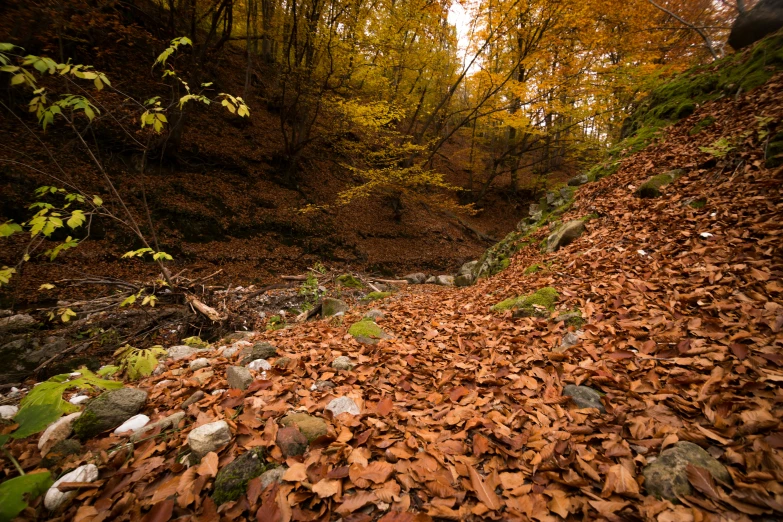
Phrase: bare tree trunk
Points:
(704, 36)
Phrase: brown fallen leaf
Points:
(483, 492)
(209, 465)
(353, 502)
(328, 488)
(621, 481)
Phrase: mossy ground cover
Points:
(366, 328)
(374, 296)
(544, 298)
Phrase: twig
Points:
(391, 281)
(294, 278)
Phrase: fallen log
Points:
(208, 311)
(391, 281)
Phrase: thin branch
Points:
(689, 25)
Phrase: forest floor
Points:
(458, 412)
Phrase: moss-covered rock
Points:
(565, 235)
(652, 187)
(538, 304)
(310, 426)
(331, 306)
(571, 318)
(109, 410)
(231, 481)
(367, 332)
(374, 296)
(349, 281)
(261, 350)
(532, 269)
(667, 477)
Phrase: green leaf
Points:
(108, 371)
(46, 286)
(129, 301)
(97, 201)
(51, 391)
(17, 492)
(35, 418)
(138, 363)
(77, 219)
(8, 228)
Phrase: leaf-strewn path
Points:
(463, 415)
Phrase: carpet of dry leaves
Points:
(462, 413)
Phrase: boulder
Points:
(183, 352)
(322, 385)
(172, 421)
(367, 332)
(198, 364)
(331, 306)
(16, 322)
(463, 280)
(259, 365)
(652, 187)
(109, 410)
(258, 351)
(374, 315)
(238, 377)
(310, 426)
(751, 26)
(444, 280)
(272, 476)
(576, 181)
(136, 422)
(55, 499)
(291, 442)
(207, 438)
(565, 235)
(231, 481)
(57, 432)
(416, 279)
(469, 267)
(342, 363)
(197, 396)
(569, 340)
(584, 397)
(667, 477)
(343, 405)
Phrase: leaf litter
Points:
(462, 411)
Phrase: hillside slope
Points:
(463, 412)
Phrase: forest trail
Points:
(460, 412)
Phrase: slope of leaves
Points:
(463, 416)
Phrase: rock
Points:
(431, 280)
(16, 322)
(55, 499)
(220, 391)
(134, 423)
(349, 281)
(565, 235)
(259, 364)
(343, 405)
(468, 268)
(311, 427)
(238, 336)
(61, 451)
(463, 280)
(652, 187)
(751, 26)
(8, 411)
(109, 410)
(367, 332)
(57, 432)
(570, 319)
(374, 315)
(584, 397)
(172, 421)
(238, 377)
(198, 364)
(78, 399)
(197, 396)
(203, 375)
(230, 351)
(331, 306)
(415, 279)
(231, 481)
(569, 340)
(282, 363)
(342, 363)
(444, 280)
(258, 351)
(208, 437)
(576, 181)
(667, 477)
(272, 476)
(538, 304)
(183, 352)
(322, 385)
(291, 442)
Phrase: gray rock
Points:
(172, 421)
(197, 396)
(282, 363)
(584, 397)
(238, 377)
(262, 350)
(468, 268)
(431, 280)
(463, 280)
(576, 181)
(416, 279)
(272, 476)
(55, 499)
(343, 405)
(57, 432)
(231, 481)
(208, 437)
(322, 385)
(109, 410)
(751, 26)
(183, 352)
(16, 322)
(667, 477)
(60, 452)
(259, 364)
(198, 364)
(565, 235)
(342, 363)
(291, 441)
(310, 426)
(445, 280)
(331, 306)
(374, 315)
(6, 313)
(230, 351)
(569, 339)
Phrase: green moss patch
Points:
(349, 281)
(703, 124)
(366, 328)
(535, 304)
(698, 203)
(231, 481)
(652, 187)
(532, 269)
(374, 296)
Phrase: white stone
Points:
(343, 405)
(134, 423)
(182, 352)
(641, 252)
(59, 430)
(198, 364)
(55, 498)
(705, 235)
(209, 437)
(8, 412)
(259, 364)
(165, 382)
(219, 391)
(78, 399)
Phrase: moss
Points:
(652, 187)
(374, 296)
(529, 304)
(588, 217)
(349, 281)
(699, 203)
(86, 425)
(275, 322)
(703, 124)
(572, 318)
(365, 328)
(231, 481)
(532, 269)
